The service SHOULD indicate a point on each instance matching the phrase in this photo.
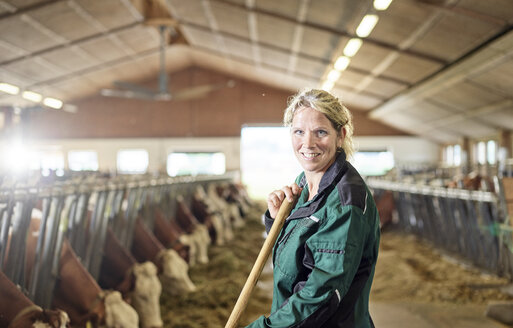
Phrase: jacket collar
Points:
(328, 181)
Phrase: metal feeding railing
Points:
(472, 224)
(80, 210)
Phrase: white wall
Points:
(409, 150)
(158, 149)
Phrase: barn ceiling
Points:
(441, 69)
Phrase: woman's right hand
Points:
(275, 198)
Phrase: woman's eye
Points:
(298, 132)
(322, 133)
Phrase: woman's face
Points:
(314, 140)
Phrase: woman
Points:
(325, 255)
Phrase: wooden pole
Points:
(245, 294)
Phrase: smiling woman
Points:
(325, 256)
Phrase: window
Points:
(449, 155)
(481, 152)
(491, 151)
(457, 155)
(267, 160)
(194, 163)
(373, 162)
(132, 161)
(51, 161)
(83, 160)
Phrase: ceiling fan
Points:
(135, 91)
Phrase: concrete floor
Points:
(415, 315)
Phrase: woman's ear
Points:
(341, 137)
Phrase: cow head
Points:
(146, 294)
(175, 274)
(118, 313)
(39, 318)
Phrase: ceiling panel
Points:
(411, 69)
(456, 34)
(238, 48)
(104, 49)
(369, 56)
(384, 88)
(319, 43)
(287, 8)
(274, 58)
(59, 17)
(401, 21)
(471, 129)
(496, 9)
(189, 11)
(274, 31)
(499, 78)
(108, 13)
(36, 69)
(342, 15)
(25, 36)
(70, 59)
(313, 68)
(230, 19)
(427, 112)
(466, 96)
(140, 38)
(502, 119)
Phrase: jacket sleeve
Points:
(333, 254)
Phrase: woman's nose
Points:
(309, 139)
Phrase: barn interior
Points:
(112, 102)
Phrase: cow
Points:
(18, 311)
(197, 233)
(137, 282)
(173, 270)
(78, 294)
(170, 234)
(204, 212)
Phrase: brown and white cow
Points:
(18, 311)
(205, 213)
(137, 282)
(173, 270)
(170, 234)
(197, 234)
(81, 297)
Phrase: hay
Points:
(220, 281)
(410, 269)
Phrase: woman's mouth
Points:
(310, 155)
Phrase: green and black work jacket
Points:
(325, 256)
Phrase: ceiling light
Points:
(9, 88)
(352, 47)
(342, 63)
(32, 96)
(327, 85)
(333, 75)
(53, 103)
(381, 4)
(366, 25)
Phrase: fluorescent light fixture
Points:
(333, 75)
(366, 25)
(341, 63)
(327, 85)
(9, 88)
(32, 96)
(352, 47)
(53, 103)
(382, 4)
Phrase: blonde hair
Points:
(324, 102)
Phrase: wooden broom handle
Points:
(245, 294)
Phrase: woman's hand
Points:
(275, 198)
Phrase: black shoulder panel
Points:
(351, 188)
